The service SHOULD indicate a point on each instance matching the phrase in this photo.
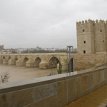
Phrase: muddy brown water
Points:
(23, 73)
(97, 98)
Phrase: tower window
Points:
(84, 51)
(100, 30)
(83, 30)
(84, 42)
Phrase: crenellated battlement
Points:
(85, 21)
(91, 21)
(100, 21)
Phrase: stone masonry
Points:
(92, 36)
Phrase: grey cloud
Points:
(47, 23)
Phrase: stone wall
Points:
(89, 60)
(52, 91)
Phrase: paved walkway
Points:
(98, 98)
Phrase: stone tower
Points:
(100, 36)
(91, 36)
(85, 37)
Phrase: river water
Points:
(97, 98)
(23, 73)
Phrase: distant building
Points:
(1, 47)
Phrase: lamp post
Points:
(70, 67)
(70, 58)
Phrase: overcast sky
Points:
(45, 23)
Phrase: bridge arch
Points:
(25, 60)
(54, 62)
(3, 57)
(9, 57)
(15, 60)
(37, 62)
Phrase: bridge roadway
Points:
(39, 60)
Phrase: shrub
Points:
(4, 77)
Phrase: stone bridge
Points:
(40, 60)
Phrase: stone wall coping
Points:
(13, 86)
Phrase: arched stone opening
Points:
(37, 62)
(25, 60)
(53, 62)
(5, 60)
(15, 60)
(9, 60)
(9, 57)
(3, 57)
